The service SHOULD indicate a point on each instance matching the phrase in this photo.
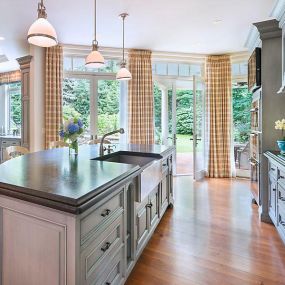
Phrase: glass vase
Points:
(73, 148)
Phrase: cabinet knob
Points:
(282, 177)
(106, 247)
(149, 205)
(106, 213)
(108, 283)
(273, 169)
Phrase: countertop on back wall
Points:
(53, 178)
(10, 137)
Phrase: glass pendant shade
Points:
(123, 74)
(95, 58)
(42, 33)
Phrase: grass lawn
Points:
(183, 143)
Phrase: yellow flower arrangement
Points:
(280, 125)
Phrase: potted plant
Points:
(280, 125)
(70, 131)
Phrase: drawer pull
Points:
(149, 205)
(108, 283)
(106, 247)
(273, 169)
(282, 177)
(106, 213)
(273, 189)
(282, 223)
(282, 199)
(164, 164)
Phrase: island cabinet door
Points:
(164, 191)
(33, 250)
(142, 224)
(273, 199)
(153, 207)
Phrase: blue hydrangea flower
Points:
(61, 133)
(80, 124)
(73, 128)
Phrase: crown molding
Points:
(268, 29)
(278, 12)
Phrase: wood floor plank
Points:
(212, 236)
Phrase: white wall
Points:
(37, 103)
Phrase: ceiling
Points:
(187, 26)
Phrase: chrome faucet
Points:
(121, 131)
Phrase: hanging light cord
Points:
(42, 10)
(124, 17)
(95, 22)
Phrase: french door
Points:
(186, 118)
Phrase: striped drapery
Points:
(140, 99)
(53, 94)
(219, 116)
(10, 77)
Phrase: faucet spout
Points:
(120, 131)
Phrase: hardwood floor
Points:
(212, 236)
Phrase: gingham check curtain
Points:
(10, 77)
(141, 118)
(53, 96)
(219, 116)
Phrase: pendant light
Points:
(123, 73)
(41, 32)
(95, 59)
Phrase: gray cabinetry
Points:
(276, 190)
(142, 224)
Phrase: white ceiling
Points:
(162, 25)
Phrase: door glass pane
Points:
(184, 130)
(108, 108)
(76, 102)
(157, 113)
(241, 120)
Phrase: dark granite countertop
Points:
(52, 178)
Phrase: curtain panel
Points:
(53, 94)
(10, 77)
(219, 116)
(140, 99)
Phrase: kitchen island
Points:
(82, 219)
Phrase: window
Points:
(10, 108)
(77, 64)
(176, 69)
(94, 96)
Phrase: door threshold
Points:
(187, 174)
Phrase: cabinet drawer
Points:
(281, 195)
(114, 273)
(281, 219)
(6, 143)
(272, 168)
(281, 177)
(91, 223)
(96, 256)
